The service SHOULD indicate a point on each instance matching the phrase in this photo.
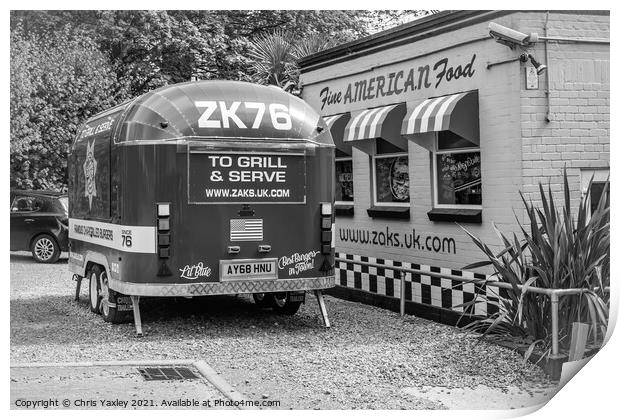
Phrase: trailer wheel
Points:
(282, 304)
(94, 288)
(263, 300)
(108, 313)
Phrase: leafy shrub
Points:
(57, 81)
(559, 250)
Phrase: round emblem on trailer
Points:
(90, 170)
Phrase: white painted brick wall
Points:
(519, 147)
(579, 78)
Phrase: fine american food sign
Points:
(229, 177)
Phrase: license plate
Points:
(263, 269)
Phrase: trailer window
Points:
(457, 172)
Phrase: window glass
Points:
(65, 203)
(596, 192)
(458, 178)
(391, 179)
(25, 204)
(344, 180)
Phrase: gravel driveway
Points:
(370, 358)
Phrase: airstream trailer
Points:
(202, 188)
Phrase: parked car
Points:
(40, 224)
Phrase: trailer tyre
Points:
(94, 289)
(281, 304)
(109, 313)
(45, 249)
(263, 300)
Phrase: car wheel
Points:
(282, 304)
(94, 287)
(263, 300)
(45, 249)
(109, 313)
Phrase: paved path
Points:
(118, 385)
(483, 397)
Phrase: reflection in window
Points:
(391, 179)
(344, 180)
(25, 204)
(458, 180)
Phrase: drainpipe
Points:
(548, 117)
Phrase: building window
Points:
(599, 178)
(344, 180)
(390, 169)
(456, 172)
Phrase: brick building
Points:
(438, 123)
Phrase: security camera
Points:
(510, 37)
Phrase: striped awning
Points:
(337, 124)
(457, 113)
(367, 123)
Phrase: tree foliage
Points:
(68, 65)
(56, 82)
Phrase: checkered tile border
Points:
(431, 290)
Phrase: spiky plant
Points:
(275, 56)
(272, 58)
(558, 250)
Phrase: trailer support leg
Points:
(78, 286)
(319, 298)
(135, 302)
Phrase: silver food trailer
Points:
(202, 188)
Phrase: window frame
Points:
(373, 170)
(352, 202)
(459, 150)
(597, 175)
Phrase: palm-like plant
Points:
(275, 56)
(272, 58)
(559, 250)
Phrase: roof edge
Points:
(438, 23)
(412, 28)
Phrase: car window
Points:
(65, 203)
(46, 205)
(25, 204)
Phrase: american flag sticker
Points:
(246, 229)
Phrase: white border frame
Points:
(374, 180)
(341, 159)
(434, 154)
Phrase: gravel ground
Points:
(367, 359)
